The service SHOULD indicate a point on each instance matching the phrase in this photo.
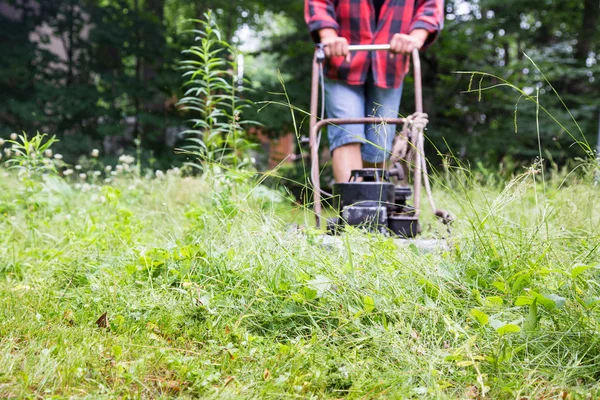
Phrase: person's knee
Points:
(348, 148)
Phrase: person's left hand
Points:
(405, 44)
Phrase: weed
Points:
(217, 135)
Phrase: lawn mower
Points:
(375, 198)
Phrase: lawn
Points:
(215, 286)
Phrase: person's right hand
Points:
(335, 46)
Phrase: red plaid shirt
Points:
(355, 20)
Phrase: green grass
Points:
(211, 292)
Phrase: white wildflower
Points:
(85, 187)
(108, 168)
(82, 176)
(58, 156)
(119, 168)
(13, 136)
(107, 180)
(174, 171)
(7, 152)
(102, 199)
(126, 159)
(67, 172)
(1, 142)
(95, 153)
(114, 173)
(97, 173)
(78, 167)
(159, 174)
(48, 153)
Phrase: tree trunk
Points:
(156, 8)
(589, 29)
(231, 20)
(138, 74)
(70, 46)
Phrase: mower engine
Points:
(371, 201)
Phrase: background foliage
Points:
(118, 79)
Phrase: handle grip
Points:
(368, 47)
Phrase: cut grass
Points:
(210, 294)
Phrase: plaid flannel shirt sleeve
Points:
(320, 14)
(429, 15)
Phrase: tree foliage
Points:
(116, 81)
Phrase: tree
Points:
(115, 78)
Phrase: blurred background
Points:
(103, 73)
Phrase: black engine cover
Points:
(371, 201)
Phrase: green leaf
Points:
(531, 321)
(508, 328)
(524, 301)
(501, 286)
(117, 351)
(481, 317)
(231, 253)
(580, 269)
(309, 294)
(556, 300)
(521, 282)
(368, 304)
(494, 301)
(592, 302)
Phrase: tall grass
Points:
(211, 292)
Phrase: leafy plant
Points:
(217, 135)
(28, 155)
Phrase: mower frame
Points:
(317, 126)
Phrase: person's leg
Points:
(345, 101)
(345, 159)
(384, 103)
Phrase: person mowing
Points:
(368, 84)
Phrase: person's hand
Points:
(335, 46)
(405, 44)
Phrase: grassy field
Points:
(210, 291)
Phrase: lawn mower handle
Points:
(368, 47)
(315, 126)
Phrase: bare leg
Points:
(345, 159)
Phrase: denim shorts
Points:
(349, 101)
